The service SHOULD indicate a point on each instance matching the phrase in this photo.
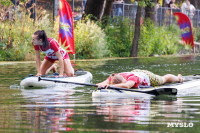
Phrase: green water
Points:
(61, 109)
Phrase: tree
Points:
(108, 8)
(5, 3)
(134, 48)
(98, 8)
(150, 11)
(15, 2)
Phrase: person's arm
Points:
(60, 59)
(182, 8)
(194, 11)
(172, 5)
(167, 1)
(176, 7)
(104, 83)
(119, 1)
(128, 84)
(37, 58)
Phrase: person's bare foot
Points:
(180, 78)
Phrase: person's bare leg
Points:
(170, 78)
(69, 70)
(53, 68)
(45, 66)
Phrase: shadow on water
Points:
(62, 109)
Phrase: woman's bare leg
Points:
(45, 66)
(69, 70)
(53, 68)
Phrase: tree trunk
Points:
(150, 11)
(94, 7)
(107, 11)
(108, 8)
(100, 9)
(134, 48)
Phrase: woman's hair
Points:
(41, 34)
(116, 78)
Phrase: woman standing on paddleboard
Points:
(53, 52)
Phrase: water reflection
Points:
(124, 110)
(50, 118)
(50, 108)
(46, 94)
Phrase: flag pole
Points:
(74, 57)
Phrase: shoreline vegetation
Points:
(93, 40)
(103, 59)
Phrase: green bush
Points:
(90, 40)
(196, 33)
(5, 3)
(16, 36)
(119, 40)
(158, 40)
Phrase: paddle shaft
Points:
(187, 78)
(152, 92)
(94, 85)
(68, 82)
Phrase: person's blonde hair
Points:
(116, 78)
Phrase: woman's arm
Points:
(128, 84)
(37, 58)
(60, 63)
(106, 83)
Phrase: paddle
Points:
(187, 78)
(153, 91)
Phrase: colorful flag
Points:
(66, 29)
(186, 28)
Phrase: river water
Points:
(62, 109)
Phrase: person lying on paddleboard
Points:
(53, 52)
(138, 78)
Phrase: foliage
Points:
(158, 40)
(196, 33)
(118, 38)
(90, 40)
(16, 35)
(5, 3)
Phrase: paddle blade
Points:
(164, 91)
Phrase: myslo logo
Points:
(179, 124)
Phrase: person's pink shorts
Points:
(54, 60)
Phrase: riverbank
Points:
(102, 59)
